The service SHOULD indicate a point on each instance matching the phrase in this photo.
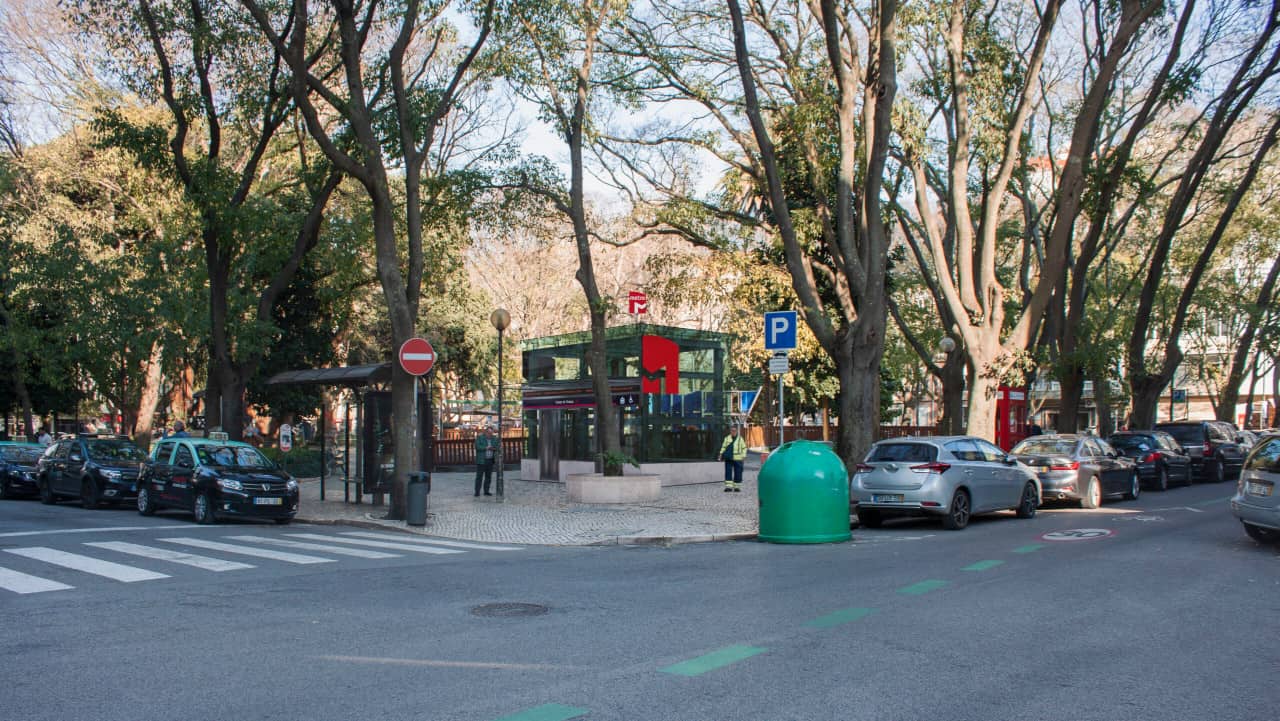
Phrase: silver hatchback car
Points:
(952, 477)
(1257, 499)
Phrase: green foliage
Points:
(612, 462)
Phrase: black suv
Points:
(97, 469)
(1215, 455)
(18, 469)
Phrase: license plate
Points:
(268, 501)
(1257, 489)
(887, 498)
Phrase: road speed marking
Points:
(1077, 534)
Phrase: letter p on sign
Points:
(780, 330)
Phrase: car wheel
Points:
(89, 497)
(203, 509)
(1219, 473)
(283, 521)
(146, 504)
(1092, 495)
(1259, 534)
(1162, 482)
(869, 518)
(1027, 508)
(46, 493)
(1135, 488)
(958, 513)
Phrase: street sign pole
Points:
(781, 412)
(780, 337)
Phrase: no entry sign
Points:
(417, 356)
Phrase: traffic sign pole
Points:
(781, 412)
(780, 337)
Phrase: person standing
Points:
(179, 430)
(733, 451)
(486, 452)
(45, 438)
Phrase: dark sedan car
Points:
(1159, 457)
(98, 469)
(213, 478)
(18, 469)
(1215, 455)
(1079, 468)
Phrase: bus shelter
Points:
(364, 458)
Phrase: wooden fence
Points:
(462, 452)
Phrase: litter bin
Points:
(804, 495)
(416, 498)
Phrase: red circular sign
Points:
(417, 356)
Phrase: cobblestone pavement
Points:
(540, 513)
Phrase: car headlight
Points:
(230, 485)
(111, 475)
(29, 475)
(292, 485)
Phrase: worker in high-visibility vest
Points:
(733, 451)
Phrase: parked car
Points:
(952, 477)
(18, 469)
(212, 478)
(100, 470)
(1159, 457)
(1257, 501)
(1215, 455)
(1246, 439)
(1079, 468)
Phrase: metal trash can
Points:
(416, 498)
(804, 495)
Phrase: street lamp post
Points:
(947, 345)
(500, 319)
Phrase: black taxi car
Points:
(213, 478)
(100, 470)
(18, 469)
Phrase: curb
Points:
(615, 541)
(672, 540)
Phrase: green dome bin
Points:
(804, 495)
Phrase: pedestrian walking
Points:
(733, 451)
(179, 430)
(45, 439)
(486, 451)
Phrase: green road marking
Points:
(917, 589)
(714, 660)
(838, 617)
(1029, 548)
(547, 712)
(1210, 503)
(982, 565)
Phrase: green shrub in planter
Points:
(300, 462)
(611, 462)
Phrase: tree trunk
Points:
(1275, 397)
(1145, 400)
(858, 400)
(150, 396)
(212, 400)
(1072, 396)
(983, 384)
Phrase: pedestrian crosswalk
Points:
(20, 571)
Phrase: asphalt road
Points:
(1173, 616)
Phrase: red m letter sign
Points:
(660, 365)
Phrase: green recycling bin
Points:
(804, 495)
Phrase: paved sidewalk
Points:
(540, 513)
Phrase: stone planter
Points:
(597, 488)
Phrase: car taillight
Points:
(934, 467)
(863, 468)
(1070, 466)
(1208, 448)
(1152, 457)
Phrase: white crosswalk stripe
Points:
(402, 538)
(165, 554)
(86, 564)
(248, 551)
(326, 548)
(375, 544)
(20, 582)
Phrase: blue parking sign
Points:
(780, 330)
